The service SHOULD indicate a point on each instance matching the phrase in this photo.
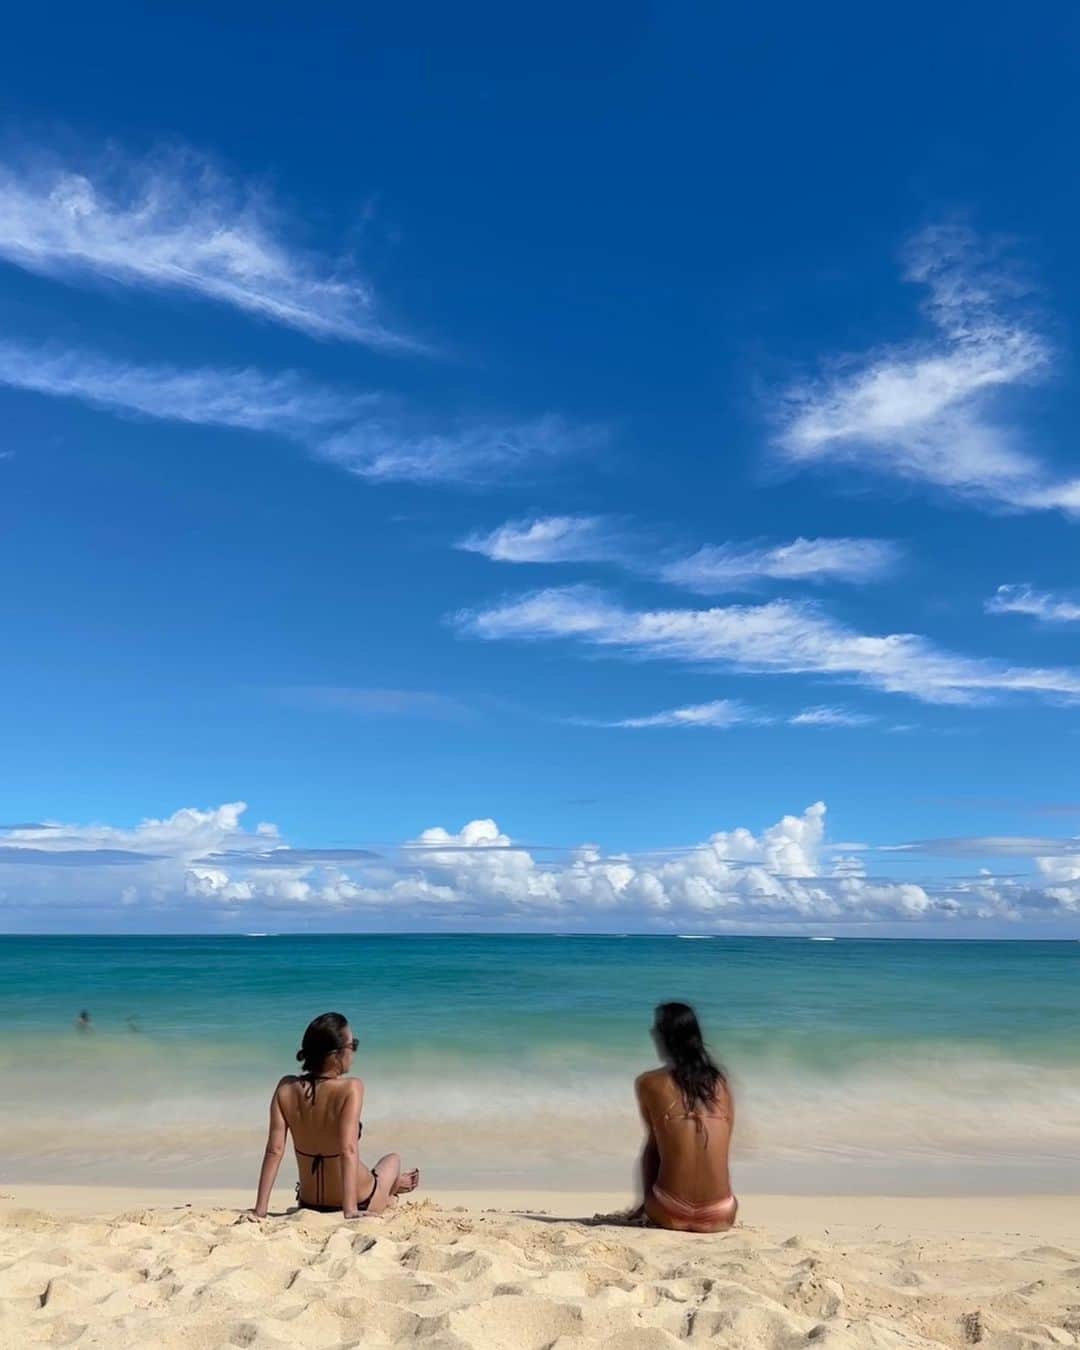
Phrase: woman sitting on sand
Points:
(688, 1113)
(322, 1109)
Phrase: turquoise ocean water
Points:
(857, 1064)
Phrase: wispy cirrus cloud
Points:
(724, 713)
(1040, 605)
(175, 222)
(720, 714)
(286, 403)
(363, 433)
(780, 637)
(713, 569)
(473, 454)
(926, 412)
(830, 717)
(551, 539)
(729, 567)
(990, 845)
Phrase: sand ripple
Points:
(439, 1279)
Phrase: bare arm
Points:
(275, 1151)
(348, 1133)
(650, 1153)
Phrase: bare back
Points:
(316, 1122)
(693, 1145)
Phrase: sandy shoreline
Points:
(117, 1267)
(1034, 1215)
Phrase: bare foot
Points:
(408, 1181)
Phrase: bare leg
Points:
(390, 1181)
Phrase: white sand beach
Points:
(96, 1267)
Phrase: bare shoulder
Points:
(347, 1089)
(647, 1083)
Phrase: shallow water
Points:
(857, 1065)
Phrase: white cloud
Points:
(358, 432)
(926, 412)
(829, 717)
(186, 834)
(549, 539)
(713, 568)
(175, 222)
(474, 454)
(285, 403)
(196, 866)
(210, 883)
(1039, 604)
(721, 713)
(990, 846)
(781, 637)
(728, 712)
(729, 567)
(1061, 869)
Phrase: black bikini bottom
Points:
(333, 1209)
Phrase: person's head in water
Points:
(678, 1038)
(328, 1046)
(83, 1020)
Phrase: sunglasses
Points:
(352, 1045)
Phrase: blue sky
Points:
(627, 425)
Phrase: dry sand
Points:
(95, 1268)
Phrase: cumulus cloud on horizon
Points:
(203, 868)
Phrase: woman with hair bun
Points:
(688, 1115)
(321, 1107)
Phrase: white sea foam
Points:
(125, 1107)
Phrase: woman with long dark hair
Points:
(321, 1106)
(688, 1115)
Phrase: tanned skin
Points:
(328, 1125)
(686, 1159)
